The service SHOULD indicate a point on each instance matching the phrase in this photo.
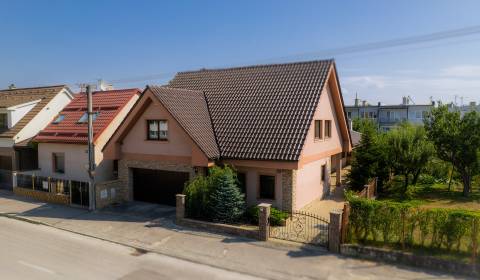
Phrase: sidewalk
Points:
(159, 234)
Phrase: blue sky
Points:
(52, 42)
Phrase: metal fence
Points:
(76, 190)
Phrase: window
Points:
(115, 168)
(424, 114)
(323, 174)
(59, 119)
(84, 117)
(3, 121)
(157, 130)
(418, 114)
(318, 129)
(242, 182)
(349, 115)
(267, 187)
(328, 128)
(58, 162)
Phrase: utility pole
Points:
(91, 151)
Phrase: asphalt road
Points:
(29, 251)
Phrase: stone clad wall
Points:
(43, 196)
(289, 179)
(109, 192)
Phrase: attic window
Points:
(59, 119)
(84, 118)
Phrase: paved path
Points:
(268, 260)
(40, 252)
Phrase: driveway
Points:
(160, 235)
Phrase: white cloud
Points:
(460, 80)
(462, 71)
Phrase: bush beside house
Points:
(216, 197)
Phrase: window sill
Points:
(158, 140)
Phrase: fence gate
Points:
(79, 193)
(301, 227)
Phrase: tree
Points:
(456, 140)
(409, 151)
(362, 125)
(226, 202)
(366, 158)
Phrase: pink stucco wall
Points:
(316, 153)
(324, 111)
(178, 144)
(252, 182)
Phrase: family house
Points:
(279, 125)
(62, 145)
(23, 113)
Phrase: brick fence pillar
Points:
(14, 179)
(180, 206)
(334, 231)
(263, 221)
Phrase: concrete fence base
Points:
(394, 256)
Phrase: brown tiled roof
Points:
(260, 112)
(11, 97)
(189, 108)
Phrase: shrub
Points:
(197, 193)
(277, 217)
(407, 225)
(226, 203)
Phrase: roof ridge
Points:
(26, 88)
(213, 126)
(254, 66)
(175, 89)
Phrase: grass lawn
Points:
(435, 195)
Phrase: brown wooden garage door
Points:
(158, 186)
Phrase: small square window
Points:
(323, 174)
(157, 130)
(328, 128)
(58, 162)
(318, 129)
(3, 121)
(84, 117)
(267, 187)
(59, 119)
(242, 182)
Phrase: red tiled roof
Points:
(107, 103)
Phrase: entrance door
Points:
(158, 186)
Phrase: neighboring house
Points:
(279, 125)
(463, 109)
(23, 113)
(389, 116)
(62, 145)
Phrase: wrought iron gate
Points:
(301, 227)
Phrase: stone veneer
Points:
(125, 175)
(110, 192)
(43, 196)
(289, 186)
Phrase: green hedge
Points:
(277, 217)
(405, 225)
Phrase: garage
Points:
(158, 186)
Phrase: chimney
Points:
(379, 104)
(103, 86)
(404, 100)
(12, 86)
(357, 101)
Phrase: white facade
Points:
(45, 116)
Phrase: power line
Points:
(359, 48)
